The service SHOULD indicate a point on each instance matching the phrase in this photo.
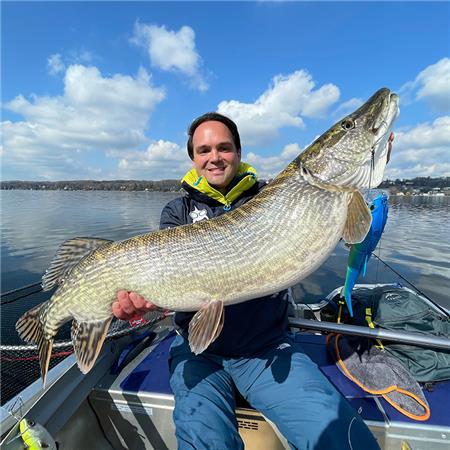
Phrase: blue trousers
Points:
(282, 382)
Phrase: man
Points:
(253, 353)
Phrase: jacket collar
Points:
(246, 178)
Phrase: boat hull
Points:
(126, 400)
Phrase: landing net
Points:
(19, 362)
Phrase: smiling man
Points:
(253, 353)
(216, 158)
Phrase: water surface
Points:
(415, 243)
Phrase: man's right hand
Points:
(129, 305)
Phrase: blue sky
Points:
(106, 90)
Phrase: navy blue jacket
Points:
(249, 326)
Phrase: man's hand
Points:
(128, 305)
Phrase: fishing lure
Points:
(35, 436)
(360, 253)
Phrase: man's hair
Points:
(213, 116)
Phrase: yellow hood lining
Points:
(245, 171)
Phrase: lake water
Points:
(415, 243)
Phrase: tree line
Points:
(92, 185)
(175, 185)
(418, 182)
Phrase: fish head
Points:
(354, 152)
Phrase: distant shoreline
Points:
(417, 186)
(92, 185)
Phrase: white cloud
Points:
(422, 150)
(171, 50)
(347, 107)
(81, 56)
(95, 114)
(270, 166)
(431, 85)
(55, 64)
(161, 160)
(281, 105)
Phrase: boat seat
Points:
(135, 411)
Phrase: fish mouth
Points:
(383, 137)
(377, 118)
(385, 121)
(353, 153)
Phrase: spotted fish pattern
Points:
(270, 243)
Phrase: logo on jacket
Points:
(198, 214)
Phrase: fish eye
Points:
(348, 124)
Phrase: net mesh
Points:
(19, 362)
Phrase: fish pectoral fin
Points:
(31, 329)
(358, 221)
(69, 255)
(206, 326)
(87, 339)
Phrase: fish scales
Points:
(271, 242)
(221, 259)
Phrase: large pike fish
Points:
(270, 243)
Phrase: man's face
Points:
(215, 155)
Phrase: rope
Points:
(402, 277)
(412, 285)
(10, 348)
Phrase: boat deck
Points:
(139, 399)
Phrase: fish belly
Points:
(241, 258)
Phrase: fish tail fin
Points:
(87, 339)
(45, 352)
(350, 280)
(348, 301)
(366, 259)
(31, 329)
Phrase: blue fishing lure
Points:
(360, 253)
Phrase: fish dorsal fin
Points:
(87, 339)
(205, 326)
(69, 255)
(358, 221)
